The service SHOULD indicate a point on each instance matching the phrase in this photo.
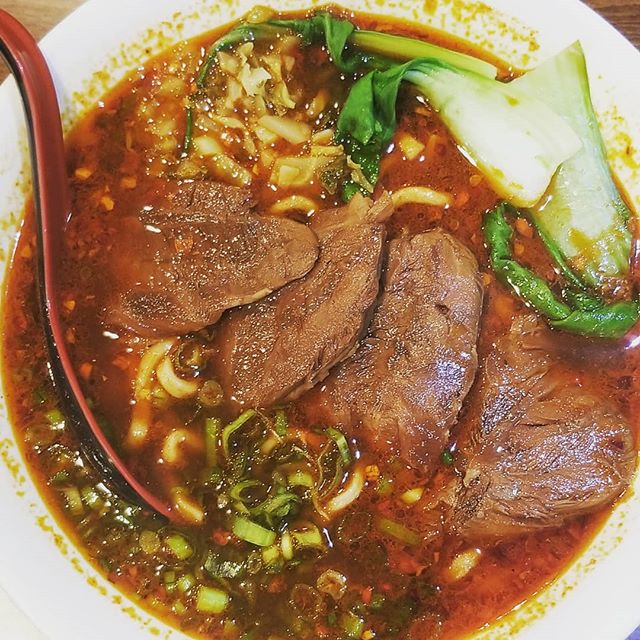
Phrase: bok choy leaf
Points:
(514, 139)
(582, 211)
(578, 312)
(333, 31)
(349, 46)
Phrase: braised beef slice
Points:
(277, 348)
(544, 450)
(181, 264)
(404, 386)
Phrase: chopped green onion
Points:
(269, 444)
(179, 545)
(73, 499)
(211, 476)
(149, 542)
(240, 508)
(300, 478)
(55, 418)
(398, 531)
(170, 582)
(328, 461)
(178, 608)
(286, 545)
(377, 602)
(333, 583)
(211, 431)
(270, 555)
(237, 489)
(341, 443)
(249, 531)
(232, 427)
(352, 625)
(92, 498)
(186, 583)
(384, 486)
(281, 425)
(309, 538)
(278, 506)
(210, 394)
(447, 457)
(219, 567)
(60, 477)
(211, 600)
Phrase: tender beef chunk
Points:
(404, 386)
(544, 449)
(180, 265)
(283, 345)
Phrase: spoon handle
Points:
(52, 206)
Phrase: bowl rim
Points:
(601, 580)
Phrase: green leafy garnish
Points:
(335, 33)
(487, 118)
(252, 532)
(580, 313)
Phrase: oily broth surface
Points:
(507, 572)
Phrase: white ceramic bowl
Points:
(597, 597)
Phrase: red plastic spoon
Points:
(52, 210)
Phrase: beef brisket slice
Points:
(544, 449)
(279, 347)
(181, 264)
(403, 388)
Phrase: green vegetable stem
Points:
(579, 313)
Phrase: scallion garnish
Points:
(300, 478)
(232, 427)
(211, 430)
(252, 532)
(179, 546)
(397, 531)
(211, 600)
(341, 443)
(281, 423)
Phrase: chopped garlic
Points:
(410, 147)
(463, 563)
(253, 80)
(411, 496)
